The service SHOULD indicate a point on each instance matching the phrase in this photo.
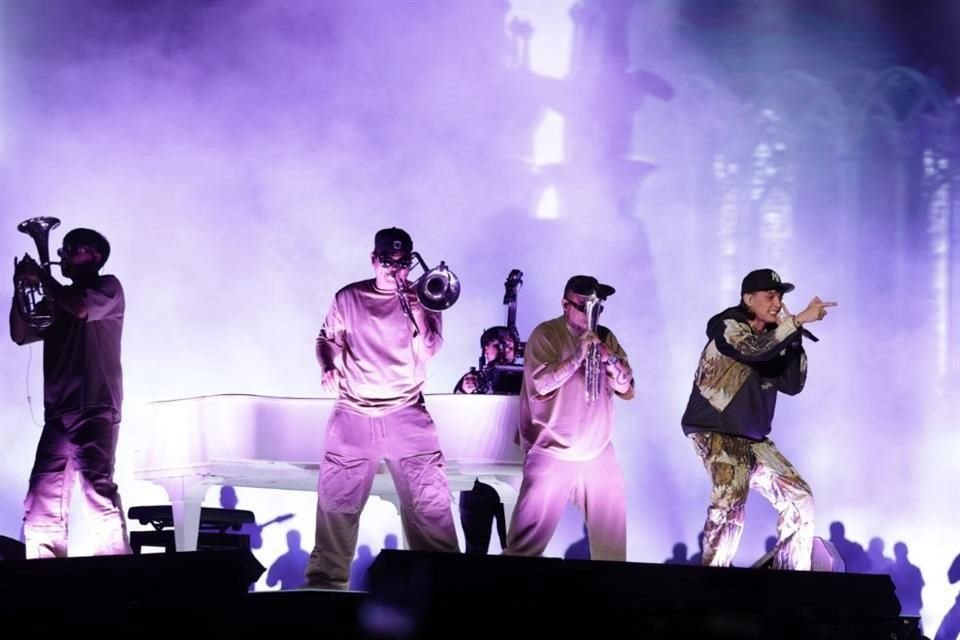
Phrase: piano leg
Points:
(508, 506)
(458, 525)
(394, 499)
(185, 500)
(186, 523)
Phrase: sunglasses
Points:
(582, 308)
(69, 249)
(399, 263)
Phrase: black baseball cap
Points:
(392, 240)
(588, 286)
(764, 280)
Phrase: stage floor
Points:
(432, 595)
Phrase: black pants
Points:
(478, 509)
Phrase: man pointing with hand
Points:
(754, 351)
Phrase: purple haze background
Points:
(240, 156)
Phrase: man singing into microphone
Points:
(753, 352)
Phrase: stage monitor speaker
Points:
(824, 557)
(66, 586)
(11, 549)
(444, 594)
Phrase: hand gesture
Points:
(329, 381)
(604, 351)
(417, 309)
(26, 271)
(588, 338)
(816, 310)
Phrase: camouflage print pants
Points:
(735, 466)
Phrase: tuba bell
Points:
(34, 309)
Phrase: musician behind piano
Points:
(373, 349)
(500, 372)
(501, 364)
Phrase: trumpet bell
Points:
(438, 288)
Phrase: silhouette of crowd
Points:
(907, 577)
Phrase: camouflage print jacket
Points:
(740, 372)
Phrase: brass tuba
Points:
(35, 311)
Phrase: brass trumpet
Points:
(593, 368)
(437, 289)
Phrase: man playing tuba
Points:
(83, 393)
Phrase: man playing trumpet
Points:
(373, 350)
(566, 436)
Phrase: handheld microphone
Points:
(803, 330)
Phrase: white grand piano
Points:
(277, 443)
